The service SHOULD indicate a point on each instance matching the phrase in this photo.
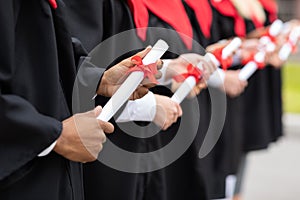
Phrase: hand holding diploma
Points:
(290, 45)
(267, 45)
(221, 54)
(82, 136)
(167, 112)
(197, 74)
(141, 69)
(114, 77)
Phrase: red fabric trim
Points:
(271, 7)
(170, 11)
(226, 8)
(53, 3)
(203, 14)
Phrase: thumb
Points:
(97, 111)
(106, 126)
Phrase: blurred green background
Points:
(291, 87)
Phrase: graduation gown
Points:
(110, 17)
(161, 184)
(262, 123)
(36, 81)
(249, 127)
(224, 157)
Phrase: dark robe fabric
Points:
(36, 82)
(262, 123)
(103, 182)
(224, 157)
(247, 127)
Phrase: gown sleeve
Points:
(24, 132)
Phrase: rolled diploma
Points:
(184, 89)
(247, 71)
(231, 47)
(131, 83)
(287, 48)
(285, 51)
(190, 82)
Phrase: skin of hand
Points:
(115, 76)
(233, 86)
(249, 46)
(273, 57)
(167, 112)
(217, 45)
(274, 60)
(179, 66)
(82, 136)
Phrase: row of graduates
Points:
(253, 116)
(253, 120)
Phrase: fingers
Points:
(179, 110)
(139, 93)
(143, 53)
(159, 64)
(106, 126)
(174, 114)
(158, 75)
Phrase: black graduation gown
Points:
(248, 127)
(262, 123)
(187, 173)
(224, 157)
(161, 184)
(36, 80)
(102, 20)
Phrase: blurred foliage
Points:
(291, 87)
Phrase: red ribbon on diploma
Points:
(225, 63)
(191, 71)
(251, 58)
(53, 3)
(148, 70)
(267, 34)
(294, 47)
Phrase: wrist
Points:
(102, 89)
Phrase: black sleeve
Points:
(24, 132)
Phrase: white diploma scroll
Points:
(186, 87)
(287, 48)
(190, 82)
(131, 82)
(249, 69)
(231, 47)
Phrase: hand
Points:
(114, 77)
(248, 48)
(274, 60)
(179, 66)
(167, 112)
(233, 86)
(82, 136)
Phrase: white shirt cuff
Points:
(48, 150)
(163, 70)
(217, 78)
(143, 109)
